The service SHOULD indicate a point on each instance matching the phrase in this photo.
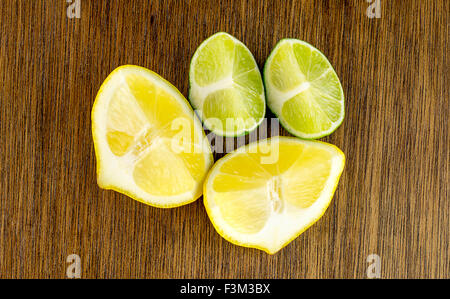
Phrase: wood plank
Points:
(392, 199)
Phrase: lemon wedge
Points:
(267, 193)
(148, 142)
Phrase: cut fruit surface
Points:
(148, 142)
(303, 90)
(226, 86)
(267, 193)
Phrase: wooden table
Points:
(393, 197)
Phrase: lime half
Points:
(226, 87)
(303, 90)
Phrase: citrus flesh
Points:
(267, 193)
(226, 87)
(149, 144)
(303, 90)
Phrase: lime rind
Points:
(249, 71)
(275, 107)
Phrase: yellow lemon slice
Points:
(148, 143)
(267, 193)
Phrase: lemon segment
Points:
(149, 144)
(267, 193)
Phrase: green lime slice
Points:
(303, 90)
(226, 87)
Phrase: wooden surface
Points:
(392, 199)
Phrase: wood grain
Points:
(392, 199)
